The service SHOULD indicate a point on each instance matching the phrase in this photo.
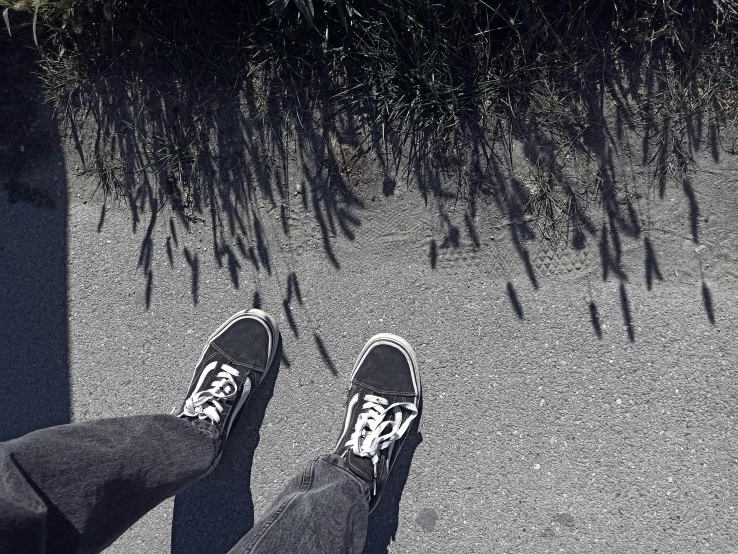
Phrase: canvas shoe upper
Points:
(383, 401)
(232, 364)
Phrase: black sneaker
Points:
(233, 363)
(383, 400)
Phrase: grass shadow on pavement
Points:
(214, 513)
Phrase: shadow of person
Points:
(214, 513)
(34, 218)
(383, 520)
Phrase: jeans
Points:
(76, 488)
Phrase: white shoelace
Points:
(378, 426)
(206, 404)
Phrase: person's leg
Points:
(76, 488)
(323, 509)
(326, 508)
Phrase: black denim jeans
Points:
(76, 488)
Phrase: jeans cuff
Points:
(339, 462)
(209, 430)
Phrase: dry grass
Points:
(426, 78)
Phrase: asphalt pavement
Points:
(576, 399)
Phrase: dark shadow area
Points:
(261, 246)
(34, 343)
(160, 117)
(713, 141)
(285, 359)
(594, 317)
(573, 185)
(216, 151)
(194, 264)
(383, 521)
(293, 291)
(256, 300)
(707, 302)
(214, 513)
(101, 221)
(293, 288)
(472, 230)
(324, 353)
(514, 302)
(452, 236)
(388, 186)
(493, 179)
(234, 266)
(652, 265)
(627, 317)
(610, 256)
(170, 252)
(694, 209)
(149, 288)
(287, 310)
(182, 129)
(579, 239)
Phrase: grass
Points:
(426, 78)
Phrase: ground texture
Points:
(578, 397)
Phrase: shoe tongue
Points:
(363, 467)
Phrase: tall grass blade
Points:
(35, 18)
(278, 6)
(306, 9)
(6, 17)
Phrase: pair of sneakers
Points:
(383, 400)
